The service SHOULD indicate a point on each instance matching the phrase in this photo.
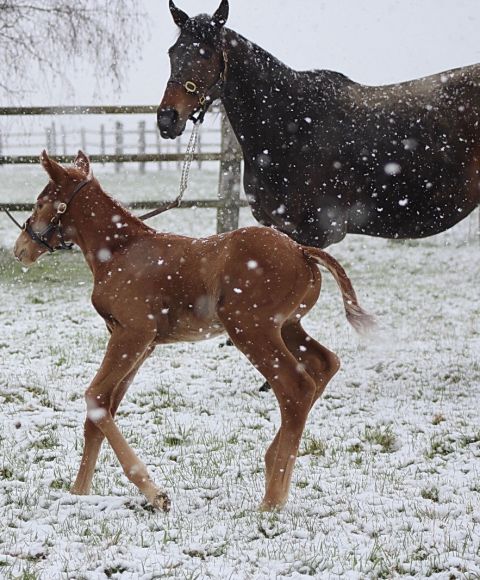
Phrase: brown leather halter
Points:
(206, 98)
(55, 225)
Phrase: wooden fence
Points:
(228, 155)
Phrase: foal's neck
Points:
(101, 227)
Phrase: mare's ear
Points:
(82, 162)
(221, 15)
(55, 171)
(179, 16)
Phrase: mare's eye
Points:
(204, 53)
(39, 205)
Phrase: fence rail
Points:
(116, 158)
(80, 110)
(137, 205)
(229, 156)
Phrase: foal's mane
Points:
(78, 175)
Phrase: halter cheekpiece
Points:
(55, 226)
(205, 98)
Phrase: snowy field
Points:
(388, 481)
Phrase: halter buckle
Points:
(190, 87)
(62, 208)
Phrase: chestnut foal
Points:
(152, 288)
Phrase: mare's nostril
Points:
(166, 119)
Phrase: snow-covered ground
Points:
(388, 481)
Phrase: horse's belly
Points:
(190, 329)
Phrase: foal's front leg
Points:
(125, 352)
(93, 436)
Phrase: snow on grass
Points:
(387, 483)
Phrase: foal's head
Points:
(44, 231)
(198, 65)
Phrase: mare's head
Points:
(46, 230)
(198, 65)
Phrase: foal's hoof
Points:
(265, 387)
(161, 501)
(270, 507)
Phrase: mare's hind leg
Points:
(295, 390)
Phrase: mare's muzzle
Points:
(167, 121)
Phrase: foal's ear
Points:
(221, 15)
(179, 16)
(56, 172)
(82, 162)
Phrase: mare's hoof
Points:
(161, 501)
(265, 387)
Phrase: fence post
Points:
(64, 139)
(474, 226)
(102, 141)
(229, 179)
(54, 138)
(159, 145)
(83, 139)
(118, 143)
(179, 151)
(199, 148)
(51, 139)
(141, 144)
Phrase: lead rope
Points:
(189, 153)
(187, 162)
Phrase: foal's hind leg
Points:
(294, 389)
(319, 362)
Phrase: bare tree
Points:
(41, 37)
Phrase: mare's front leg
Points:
(93, 436)
(126, 351)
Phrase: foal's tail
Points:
(361, 321)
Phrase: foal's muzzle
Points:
(167, 121)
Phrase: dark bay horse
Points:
(152, 288)
(326, 156)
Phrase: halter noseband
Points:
(205, 99)
(55, 225)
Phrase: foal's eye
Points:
(39, 205)
(204, 53)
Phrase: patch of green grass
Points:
(50, 270)
(11, 398)
(313, 446)
(382, 435)
(470, 439)
(430, 493)
(47, 441)
(355, 448)
(60, 483)
(6, 473)
(439, 446)
(437, 419)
